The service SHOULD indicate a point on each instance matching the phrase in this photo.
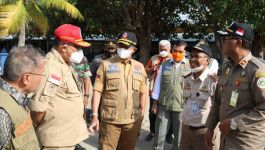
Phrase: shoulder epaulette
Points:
(214, 77)
(187, 75)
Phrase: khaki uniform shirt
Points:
(59, 95)
(121, 85)
(249, 112)
(198, 95)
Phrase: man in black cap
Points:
(198, 93)
(109, 51)
(240, 95)
(122, 82)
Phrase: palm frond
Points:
(11, 17)
(65, 6)
(38, 17)
(4, 2)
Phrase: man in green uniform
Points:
(22, 75)
(240, 95)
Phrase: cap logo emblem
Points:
(240, 32)
(125, 34)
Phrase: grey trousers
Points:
(163, 121)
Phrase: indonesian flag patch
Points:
(54, 79)
(240, 32)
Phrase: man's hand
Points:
(154, 109)
(225, 126)
(85, 101)
(156, 67)
(94, 126)
(208, 138)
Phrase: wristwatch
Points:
(87, 95)
(233, 125)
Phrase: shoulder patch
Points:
(214, 77)
(261, 83)
(187, 75)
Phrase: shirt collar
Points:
(243, 62)
(203, 76)
(57, 55)
(121, 61)
(20, 98)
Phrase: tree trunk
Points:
(144, 45)
(22, 33)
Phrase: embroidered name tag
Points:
(242, 79)
(112, 71)
(137, 72)
(23, 127)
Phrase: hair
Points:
(164, 43)
(21, 60)
(180, 43)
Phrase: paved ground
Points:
(92, 142)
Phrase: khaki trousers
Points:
(124, 134)
(192, 139)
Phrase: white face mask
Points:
(198, 69)
(163, 53)
(77, 57)
(123, 53)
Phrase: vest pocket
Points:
(136, 82)
(165, 79)
(109, 109)
(112, 83)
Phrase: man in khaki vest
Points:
(57, 108)
(151, 69)
(122, 81)
(22, 75)
(167, 95)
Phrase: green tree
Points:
(15, 15)
(205, 16)
(146, 18)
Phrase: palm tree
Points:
(16, 14)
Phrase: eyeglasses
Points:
(37, 74)
(196, 57)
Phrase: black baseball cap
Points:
(242, 30)
(127, 38)
(110, 43)
(205, 48)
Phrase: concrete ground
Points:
(91, 143)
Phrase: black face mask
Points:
(109, 54)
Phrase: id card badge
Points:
(233, 99)
(195, 107)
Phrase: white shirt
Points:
(213, 65)
(157, 85)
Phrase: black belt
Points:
(195, 128)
